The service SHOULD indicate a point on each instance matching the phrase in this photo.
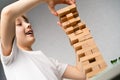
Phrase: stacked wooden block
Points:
(82, 41)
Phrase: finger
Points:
(59, 23)
(51, 7)
(74, 1)
(53, 11)
(69, 2)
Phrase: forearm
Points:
(73, 72)
(19, 7)
(81, 72)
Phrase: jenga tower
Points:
(83, 43)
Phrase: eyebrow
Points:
(25, 18)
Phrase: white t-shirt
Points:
(31, 65)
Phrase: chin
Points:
(32, 40)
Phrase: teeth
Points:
(29, 32)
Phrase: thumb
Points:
(51, 7)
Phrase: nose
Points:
(28, 25)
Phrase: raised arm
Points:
(12, 11)
(8, 16)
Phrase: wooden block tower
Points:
(87, 52)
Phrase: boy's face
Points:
(24, 32)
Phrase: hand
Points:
(53, 3)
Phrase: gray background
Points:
(101, 16)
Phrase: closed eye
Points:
(19, 24)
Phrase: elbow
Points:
(7, 12)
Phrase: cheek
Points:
(20, 32)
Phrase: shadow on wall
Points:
(2, 75)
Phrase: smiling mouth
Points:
(30, 32)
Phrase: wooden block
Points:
(78, 19)
(84, 37)
(77, 47)
(89, 70)
(80, 56)
(73, 40)
(96, 63)
(87, 53)
(63, 12)
(94, 50)
(96, 68)
(69, 30)
(91, 74)
(86, 31)
(77, 59)
(74, 21)
(79, 36)
(78, 32)
(94, 72)
(66, 10)
(85, 50)
(75, 14)
(69, 16)
(84, 43)
(87, 37)
(81, 25)
(91, 57)
(63, 19)
(102, 65)
(84, 63)
(89, 42)
(72, 8)
(65, 24)
(77, 44)
(76, 28)
(99, 57)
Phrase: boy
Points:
(19, 61)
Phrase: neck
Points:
(26, 48)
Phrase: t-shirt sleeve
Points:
(61, 67)
(6, 60)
